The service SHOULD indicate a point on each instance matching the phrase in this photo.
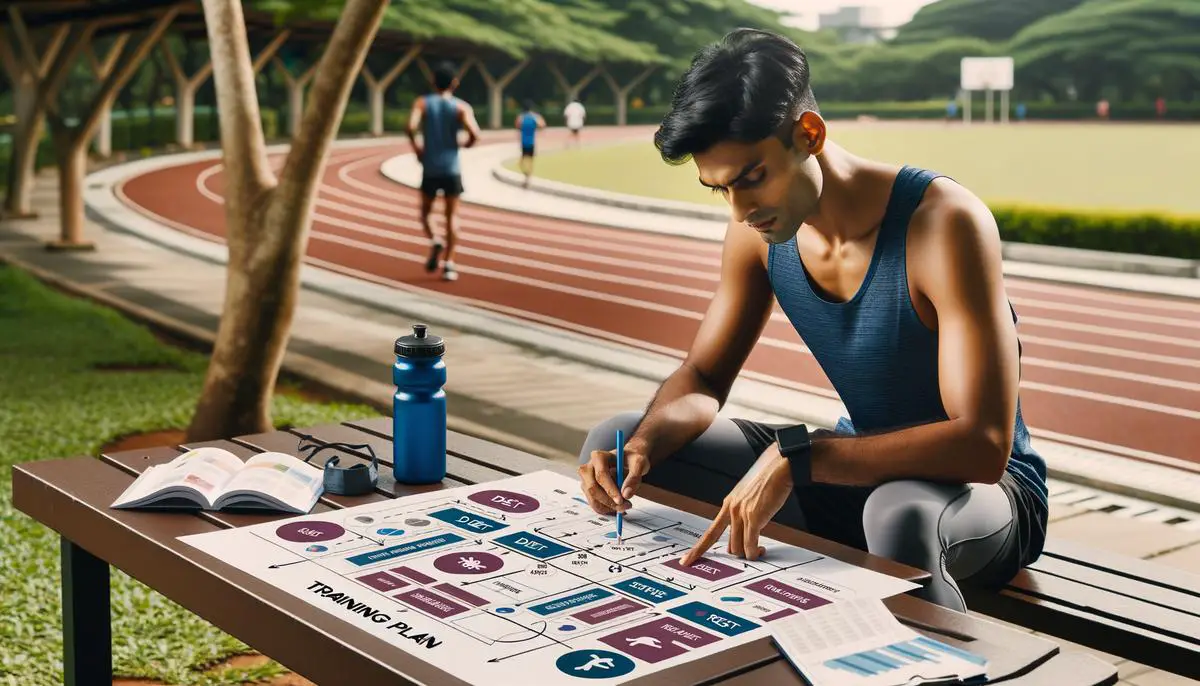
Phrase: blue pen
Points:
(620, 469)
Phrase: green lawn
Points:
(57, 404)
(1072, 166)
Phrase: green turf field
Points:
(1076, 166)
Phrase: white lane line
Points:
(1111, 373)
(1040, 287)
(1114, 449)
(1112, 399)
(1102, 312)
(469, 237)
(1109, 331)
(568, 238)
(688, 314)
(547, 223)
(777, 316)
(1115, 352)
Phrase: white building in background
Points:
(857, 23)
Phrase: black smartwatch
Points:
(796, 447)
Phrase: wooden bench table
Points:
(72, 496)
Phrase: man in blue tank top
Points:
(440, 116)
(892, 277)
(528, 122)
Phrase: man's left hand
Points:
(748, 508)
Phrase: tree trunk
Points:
(22, 166)
(71, 152)
(267, 221)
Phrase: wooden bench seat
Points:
(73, 497)
(1135, 609)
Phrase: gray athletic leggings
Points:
(955, 531)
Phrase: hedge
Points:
(1141, 233)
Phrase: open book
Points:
(215, 479)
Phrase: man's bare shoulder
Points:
(952, 232)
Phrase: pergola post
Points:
(496, 88)
(70, 142)
(26, 72)
(295, 87)
(621, 93)
(573, 90)
(102, 69)
(377, 87)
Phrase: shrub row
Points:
(1142, 233)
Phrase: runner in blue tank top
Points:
(440, 116)
(528, 122)
(892, 277)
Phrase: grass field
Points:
(1074, 166)
(73, 377)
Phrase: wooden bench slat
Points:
(1064, 668)
(73, 497)
(1108, 604)
(1148, 571)
(1120, 584)
(1065, 608)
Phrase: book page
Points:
(205, 470)
(281, 476)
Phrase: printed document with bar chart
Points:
(859, 643)
(518, 581)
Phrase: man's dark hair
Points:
(745, 87)
(444, 74)
(528, 104)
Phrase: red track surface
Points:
(1107, 369)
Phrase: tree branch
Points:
(267, 52)
(400, 66)
(128, 65)
(8, 60)
(105, 67)
(47, 92)
(246, 169)
(172, 63)
(342, 60)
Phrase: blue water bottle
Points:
(419, 409)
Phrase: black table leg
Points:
(87, 628)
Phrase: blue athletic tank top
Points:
(440, 130)
(528, 128)
(879, 356)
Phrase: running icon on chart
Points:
(594, 664)
(468, 563)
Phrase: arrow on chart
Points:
(370, 539)
(285, 564)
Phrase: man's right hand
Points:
(599, 479)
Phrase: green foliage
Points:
(986, 19)
(1144, 234)
(58, 404)
(1113, 48)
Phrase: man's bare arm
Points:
(414, 123)
(688, 401)
(466, 115)
(960, 272)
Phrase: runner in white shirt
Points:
(574, 115)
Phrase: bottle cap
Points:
(420, 344)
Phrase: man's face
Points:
(771, 186)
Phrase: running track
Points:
(1101, 369)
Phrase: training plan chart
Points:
(520, 581)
